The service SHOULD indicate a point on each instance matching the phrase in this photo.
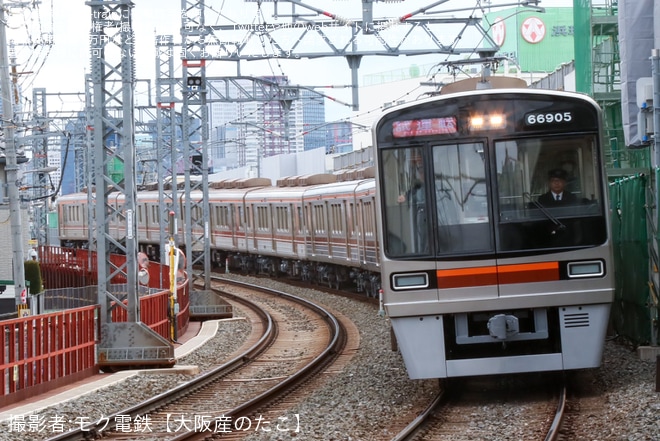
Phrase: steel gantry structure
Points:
(328, 34)
(110, 113)
(111, 119)
(201, 43)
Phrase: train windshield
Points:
(509, 196)
(549, 193)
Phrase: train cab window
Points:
(549, 193)
(447, 214)
(404, 202)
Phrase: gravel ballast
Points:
(359, 402)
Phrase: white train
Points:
(483, 270)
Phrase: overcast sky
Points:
(63, 67)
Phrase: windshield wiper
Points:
(558, 225)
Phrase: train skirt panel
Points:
(566, 338)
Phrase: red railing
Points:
(39, 353)
(71, 267)
(42, 352)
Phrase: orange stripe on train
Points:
(491, 275)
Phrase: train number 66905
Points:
(548, 118)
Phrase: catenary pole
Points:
(11, 164)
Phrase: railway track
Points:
(526, 405)
(454, 412)
(292, 341)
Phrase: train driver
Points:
(558, 195)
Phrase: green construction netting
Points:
(631, 315)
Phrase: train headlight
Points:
(410, 281)
(495, 121)
(476, 123)
(593, 268)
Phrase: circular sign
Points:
(533, 30)
(499, 31)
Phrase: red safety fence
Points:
(73, 267)
(42, 352)
(39, 353)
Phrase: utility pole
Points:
(11, 164)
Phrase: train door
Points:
(462, 199)
(222, 223)
(369, 231)
(282, 228)
(263, 229)
(464, 236)
(231, 224)
(365, 228)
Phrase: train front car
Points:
(484, 271)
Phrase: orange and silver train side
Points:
(320, 228)
(481, 273)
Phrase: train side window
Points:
(300, 223)
(282, 219)
(336, 219)
(222, 218)
(241, 218)
(352, 223)
(319, 220)
(261, 219)
(368, 220)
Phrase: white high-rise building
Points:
(244, 132)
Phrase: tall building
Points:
(243, 132)
(339, 137)
(313, 115)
